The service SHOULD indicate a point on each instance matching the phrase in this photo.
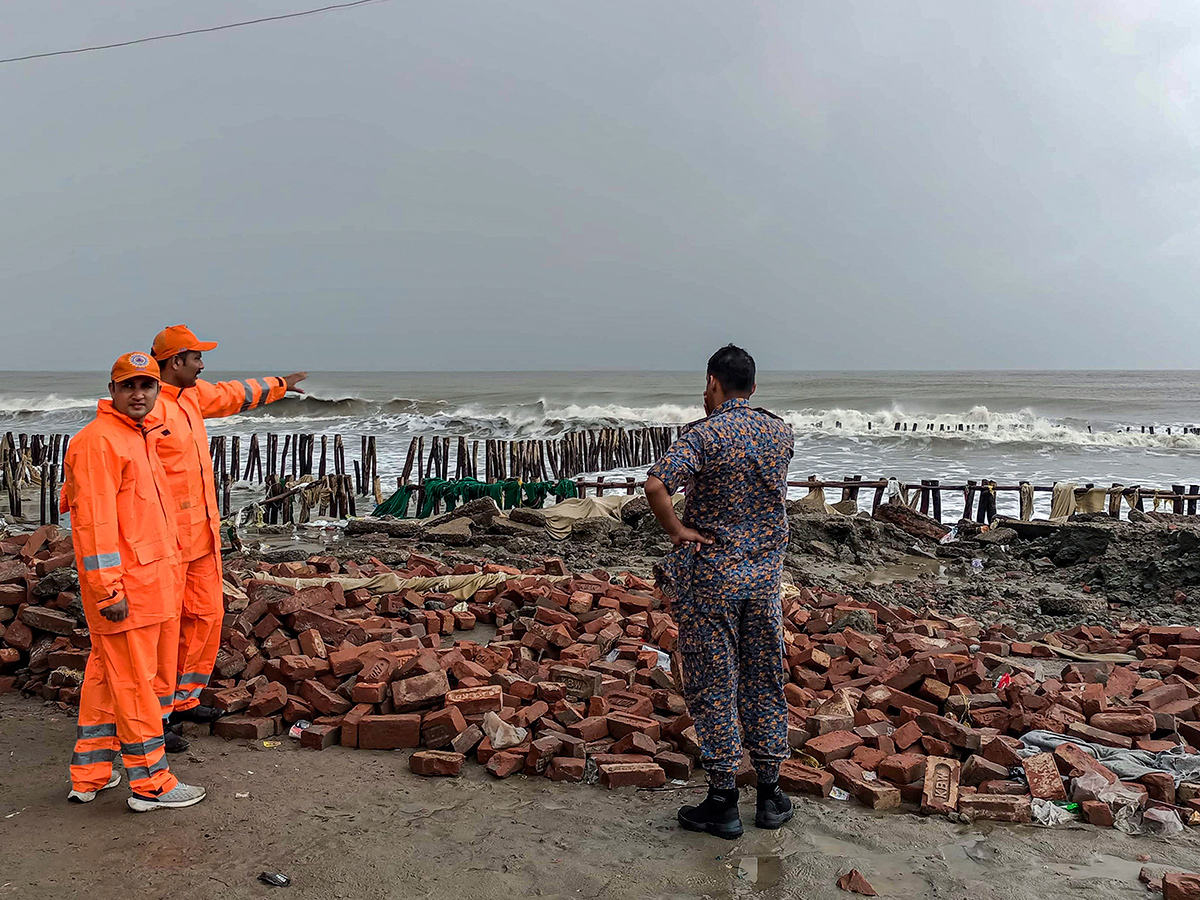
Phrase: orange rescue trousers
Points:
(199, 628)
(118, 710)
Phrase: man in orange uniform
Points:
(127, 554)
(185, 402)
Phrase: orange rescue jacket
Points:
(185, 454)
(125, 543)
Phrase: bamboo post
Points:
(924, 497)
(969, 499)
(1177, 503)
(936, 491)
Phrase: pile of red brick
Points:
(887, 705)
(928, 710)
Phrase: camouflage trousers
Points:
(733, 674)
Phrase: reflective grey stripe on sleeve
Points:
(193, 678)
(93, 756)
(166, 701)
(266, 392)
(138, 772)
(101, 561)
(249, 401)
(143, 748)
(86, 732)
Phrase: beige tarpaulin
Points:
(1026, 501)
(561, 517)
(1062, 503)
(814, 501)
(1091, 501)
(463, 587)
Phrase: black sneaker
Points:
(774, 807)
(717, 815)
(172, 742)
(199, 714)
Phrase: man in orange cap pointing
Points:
(127, 554)
(186, 401)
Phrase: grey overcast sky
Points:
(548, 185)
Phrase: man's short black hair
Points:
(733, 367)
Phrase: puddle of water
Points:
(762, 872)
(1099, 865)
(907, 568)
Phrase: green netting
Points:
(507, 494)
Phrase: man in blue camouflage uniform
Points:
(725, 573)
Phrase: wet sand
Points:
(356, 824)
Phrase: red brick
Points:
(565, 768)
(1099, 736)
(833, 746)
(320, 737)
(1015, 788)
(579, 683)
(854, 882)
(505, 763)
(906, 735)
(620, 724)
(940, 794)
(478, 700)
(253, 728)
(1181, 886)
(796, 778)
(678, 766)
(439, 729)
(999, 807)
(435, 762)
(324, 700)
(1045, 783)
(643, 775)
(1126, 723)
(636, 742)
(389, 732)
(1159, 786)
(1074, 761)
(268, 700)
(903, 768)
(350, 723)
(590, 729)
(420, 691)
(978, 769)
(1097, 812)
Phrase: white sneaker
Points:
(88, 796)
(180, 796)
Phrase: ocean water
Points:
(1037, 426)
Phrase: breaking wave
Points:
(543, 419)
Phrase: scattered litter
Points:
(242, 795)
(838, 794)
(298, 728)
(275, 879)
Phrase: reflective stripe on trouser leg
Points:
(199, 629)
(96, 735)
(762, 707)
(708, 634)
(130, 663)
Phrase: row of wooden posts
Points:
(33, 459)
(313, 470)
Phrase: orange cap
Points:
(135, 364)
(178, 339)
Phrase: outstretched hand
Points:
(291, 382)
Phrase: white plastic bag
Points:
(502, 734)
